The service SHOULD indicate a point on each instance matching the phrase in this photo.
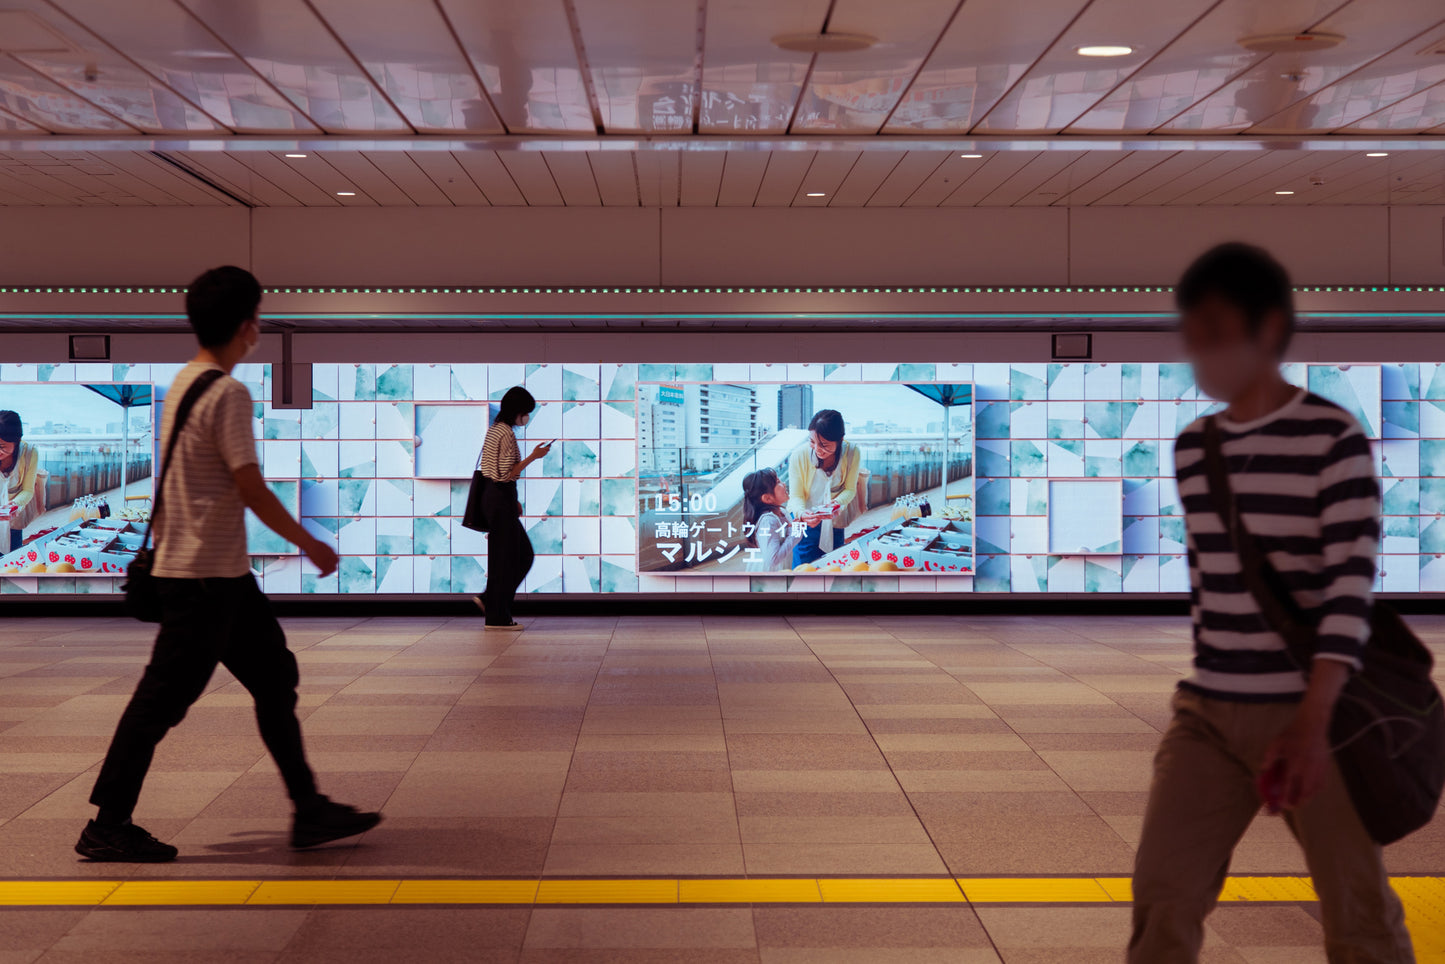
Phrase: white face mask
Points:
(251, 345)
(1224, 373)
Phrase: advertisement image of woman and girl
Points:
(18, 464)
(822, 483)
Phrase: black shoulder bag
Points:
(473, 517)
(1388, 730)
(142, 595)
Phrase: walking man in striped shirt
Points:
(1250, 725)
(213, 613)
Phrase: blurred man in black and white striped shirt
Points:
(1249, 720)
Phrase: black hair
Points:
(1243, 276)
(515, 403)
(10, 428)
(755, 486)
(220, 301)
(828, 423)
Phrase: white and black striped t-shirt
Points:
(1304, 482)
(499, 452)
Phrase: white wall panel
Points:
(1354, 244)
(1126, 245)
(1417, 245)
(119, 246)
(456, 246)
(710, 246)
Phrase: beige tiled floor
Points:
(710, 746)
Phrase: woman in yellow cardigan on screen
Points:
(822, 480)
(18, 465)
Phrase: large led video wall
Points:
(967, 477)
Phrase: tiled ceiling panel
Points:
(763, 179)
(989, 45)
(182, 54)
(1197, 63)
(644, 79)
(285, 42)
(749, 85)
(1372, 29)
(105, 76)
(1062, 85)
(524, 53)
(410, 52)
(856, 92)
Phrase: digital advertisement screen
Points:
(805, 477)
(75, 476)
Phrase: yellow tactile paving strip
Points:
(1424, 897)
(1426, 892)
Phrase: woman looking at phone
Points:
(823, 479)
(509, 550)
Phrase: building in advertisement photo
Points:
(795, 406)
(661, 428)
(722, 424)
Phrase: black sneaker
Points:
(512, 627)
(122, 843)
(326, 821)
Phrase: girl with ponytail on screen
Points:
(764, 496)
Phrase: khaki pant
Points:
(1203, 799)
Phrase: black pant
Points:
(509, 551)
(205, 623)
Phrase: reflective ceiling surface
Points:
(711, 67)
(694, 102)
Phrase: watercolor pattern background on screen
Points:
(375, 467)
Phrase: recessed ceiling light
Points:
(971, 155)
(817, 194)
(1378, 154)
(295, 155)
(346, 194)
(1284, 192)
(1104, 50)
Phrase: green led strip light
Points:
(503, 290)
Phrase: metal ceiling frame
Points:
(709, 142)
(1388, 307)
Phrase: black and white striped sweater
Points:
(1304, 481)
